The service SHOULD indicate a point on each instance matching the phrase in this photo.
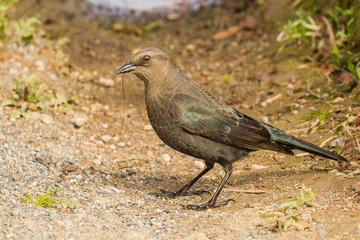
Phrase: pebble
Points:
(106, 138)
(46, 119)
(199, 164)
(97, 162)
(80, 119)
(40, 65)
(121, 144)
(106, 82)
(158, 178)
(256, 166)
(148, 127)
(166, 157)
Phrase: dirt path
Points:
(102, 154)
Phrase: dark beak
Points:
(127, 67)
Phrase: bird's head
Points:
(148, 64)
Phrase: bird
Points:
(189, 119)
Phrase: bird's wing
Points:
(217, 121)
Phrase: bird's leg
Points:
(184, 191)
(212, 203)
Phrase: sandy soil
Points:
(102, 154)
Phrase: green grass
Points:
(45, 199)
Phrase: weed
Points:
(4, 20)
(305, 198)
(31, 90)
(26, 28)
(292, 219)
(323, 114)
(304, 27)
(45, 200)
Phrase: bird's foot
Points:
(169, 194)
(209, 204)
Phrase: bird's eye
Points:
(146, 58)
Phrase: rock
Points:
(255, 167)
(97, 162)
(148, 127)
(249, 23)
(40, 65)
(79, 119)
(46, 119)
(158, 178)
(197, 236)
(106, 82)
(106, 138)
(70, 168)
(166, 157)
(357, 187)
(199, 164)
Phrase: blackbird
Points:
(190, 120)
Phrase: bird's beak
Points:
(127, 67)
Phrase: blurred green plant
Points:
(292, 219)
(329, 34)
(302, 28)
(4, 19)
(45, 200)
(26, 28)
(305, 198)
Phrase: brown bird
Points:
(192, 121)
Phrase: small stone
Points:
(113, 147)
(46, 119)
(106, 138)
(40, 65)
(148, 127)
(13, 71)
(199, 164)
(166, 157)
(158, 178)
(70, 168)
(256, 166)
(121, 144)
(53, 77)
(97, 162)
(106, 82)
(80, 119)
(130, 172)
(197, 236)
(357, 187)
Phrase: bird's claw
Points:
(169, 194)
(208, 205)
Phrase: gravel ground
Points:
(103, 155)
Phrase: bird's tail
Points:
(292, 142)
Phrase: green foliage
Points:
(302, 28)
(321, 114)
(305, 198)
(4, 20)
(26, 28)
(30, 90)
(45, 200)
(336, 27)
(227, 78)
(292, 219)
